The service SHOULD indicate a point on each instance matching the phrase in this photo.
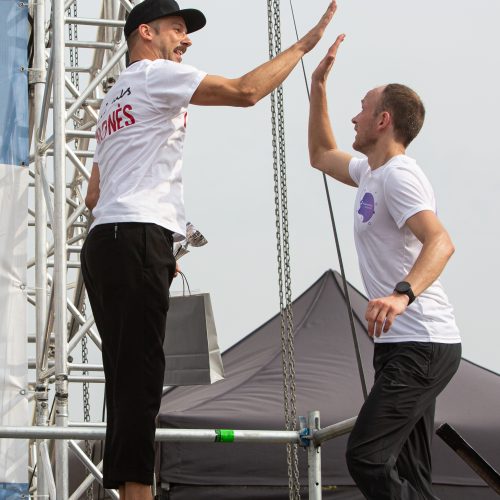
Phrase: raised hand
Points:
(309, 41)
(324, 67)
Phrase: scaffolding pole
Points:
(314, 458)
(305, 436)
(59, 232)
(38, 80)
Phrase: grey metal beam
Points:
(171, 435)
(95, 22)
(334, 430)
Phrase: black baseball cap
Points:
(149, 10)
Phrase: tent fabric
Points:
(215, 492)
(251, 397)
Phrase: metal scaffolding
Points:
(62, 121)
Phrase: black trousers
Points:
(127, 269)
(389, 449)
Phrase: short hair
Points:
(134, 37)
(132, 40)
(406, 109)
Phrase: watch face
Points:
(403, 287)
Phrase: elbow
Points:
(451, 249)
(91, 201)
(249, 98)
(315, 158)
(248, 103)
(447, 246)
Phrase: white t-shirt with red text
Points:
(387, 249)
(140, 139)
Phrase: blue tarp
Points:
(14, 124)
(13, 491)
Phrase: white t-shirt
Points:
(387, 197)
(140, 139)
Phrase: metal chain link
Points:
(73, 57)
(75, 80)
(86, 399)
(283, 251)
(86, 393)
(85, 360)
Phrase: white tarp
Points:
(13, 336)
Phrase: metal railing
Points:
(311, 436)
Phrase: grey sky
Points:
(447, 51)
(444, 50)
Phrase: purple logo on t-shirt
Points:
(367, 207)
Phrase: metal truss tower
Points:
(62, 124)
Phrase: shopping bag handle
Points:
(185, 284)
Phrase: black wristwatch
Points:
(404, 288)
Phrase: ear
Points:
(384, 120)
(145, 31)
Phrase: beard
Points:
(364, 144)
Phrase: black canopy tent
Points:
(327, 380)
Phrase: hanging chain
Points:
(73, 56)
(75, 80)
(283, 252)
(85, 360)
(86, 398)
(75, 75)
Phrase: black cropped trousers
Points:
(389, 449)
(127, 269)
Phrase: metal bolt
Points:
(22, 392)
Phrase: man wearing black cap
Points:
(136, 196)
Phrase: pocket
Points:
(412, 360)
(168, 236)
(422, 354)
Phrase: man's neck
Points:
(141, 53)
(382, 153)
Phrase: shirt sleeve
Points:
(356, 168)
(96, 154)
(407, 192)
(171, 85)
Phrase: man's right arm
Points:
(323, 152)
(93, 190)
(250, 88)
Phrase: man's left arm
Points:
(437, 248)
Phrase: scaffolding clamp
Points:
(37, 76)
(304, 432)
